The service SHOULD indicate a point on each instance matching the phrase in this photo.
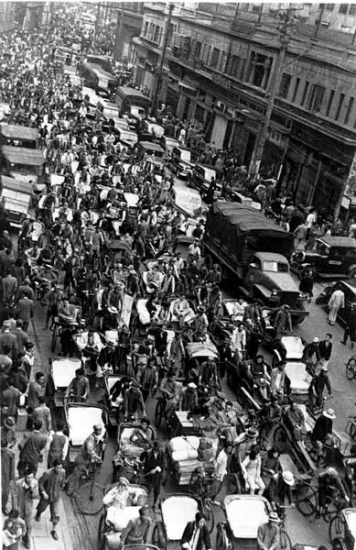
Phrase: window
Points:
(296, 88)
(352, 9)
(260, 70)
(339, 107)
(349, 109)
(256, 8)
(284, 85)
(156, 33)
(305, 92)
(145, 31)
(214, 58)
(233, 65)
(223, 62)
(330, 7)
(343, 8)
(198, 48)
(316, 98)
(330, 101)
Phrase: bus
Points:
(132, 102)
(95, 77)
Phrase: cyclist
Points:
(296, 419)
(331, 489)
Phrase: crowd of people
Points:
(127, 302)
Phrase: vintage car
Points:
(181, 161)
(347, 314)
(200, 178)
(330, 257)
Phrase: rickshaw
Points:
(292, 350)
(127, 459)
(244, 514)
(197, 353)
(80, 419)
(342, 530)
(176, 511)
(62, 372)
(114, 407)
(114, 520)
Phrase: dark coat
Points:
(325, 349)
(204, 537)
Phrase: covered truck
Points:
(257, 251)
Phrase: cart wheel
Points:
(234, 486)
(280, 439)
(89, 498)
(159, 413)
(222, 541)
(339, 544)
(307, 504)
(336, 529)
(351, 368)
(101, 533)
(159, 537)
(210, 518)
(285, 542)
(54, 338)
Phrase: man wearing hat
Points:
(196, 535)
(190, 397)
(317, 386)
(279, 490)
(323, 432)
(268, 534)
(138, 529)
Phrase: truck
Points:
(256, 251)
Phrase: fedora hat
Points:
(273, 517)
(330, 413)
(288, 477)
(252, 432)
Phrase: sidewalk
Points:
(41, 531)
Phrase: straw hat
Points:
(330, 414)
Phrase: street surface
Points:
(83, 529)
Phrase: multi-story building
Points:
(220, 69)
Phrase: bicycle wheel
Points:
(280, 439)
(336, 528)
(159, 413)
(284, 540)
(89, 498)
(101, 533)
(306, 505)
(351, 368)
(159, 538)
(209, 514)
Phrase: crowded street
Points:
(177, 363)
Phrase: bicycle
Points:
(308, 505)
(89, 495)
(200, 485)
(284, 539)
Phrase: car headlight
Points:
(274, 292)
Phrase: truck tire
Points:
(297, 319)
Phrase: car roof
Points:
(351, 283)
(344, 242)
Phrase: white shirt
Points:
(238, 340)
(220, 465)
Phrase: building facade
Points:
(220, 70)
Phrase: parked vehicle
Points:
(22, 164)
(330, 257)
(181, 158)
(255, 250)
(16, 197)
(200, 178)
(132, 102)
(347, 314)
(127, 139)
(168, 143)
(107, 110)
(16, 135)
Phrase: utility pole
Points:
(158, 84)
(273, 89)
(96, 28)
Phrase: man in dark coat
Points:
(153, 467)
(325, 349)
(322, 432)
(196, 535)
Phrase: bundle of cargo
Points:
(189, 455)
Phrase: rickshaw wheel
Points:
(339, 544)
(101, 533)
(307, 504)
(54, 338)
(336, 529)
(159, 413)
(285, 542)
(351, 368)
(89, 498)
(280, 439)
(221, 539)
(158, 536)
(210, 518)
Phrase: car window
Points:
(276, 267)
(322, 249)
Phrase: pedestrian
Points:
(220, 471)
(50, 485)
(31, 449)
(43, 414)
(137, 530)
(22, 337)
(153, 466)
(283, 321)
(13, 531)
(36, 389)
(10, 398)
(349, 332)
(325, 349)
(26, 491)
(26, 307)
(307, 283)
(336, 302)
(8, 460)
(196, 535)
(58, 445)
(238, 342)
(322, 434)
(8, 340)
